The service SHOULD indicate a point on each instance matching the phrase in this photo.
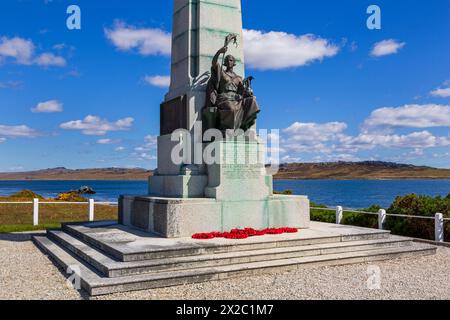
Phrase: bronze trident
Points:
(230, 38)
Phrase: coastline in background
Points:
(367, 170)
(347, 193)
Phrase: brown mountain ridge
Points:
(367, 170)
(79, 174)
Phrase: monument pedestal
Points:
(179, 218)
(234, 192)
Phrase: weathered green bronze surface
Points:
(230, 103)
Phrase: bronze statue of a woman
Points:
(230, 103)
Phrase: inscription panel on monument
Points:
(242, 162)
(242, 172)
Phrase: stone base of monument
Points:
(114, 258)
(177, 218)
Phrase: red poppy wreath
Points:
(243, 233)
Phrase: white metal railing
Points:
(439, 219)
(36, 204)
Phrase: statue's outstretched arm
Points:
(215, 60)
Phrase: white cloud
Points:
(150, 143)
(441, 155)
(328, 142)
(441, 92)
(16, 169)
(343, 157)
(417, 140)
(334, 157)
(311, 137)
(417, 152)
(263, 50)
(11, 84)
(410, 116)
(145, 41)
(158, 81)
(2, 140)
(386, 47)
(146, 156)
(119, 149)
(315, 132)
(95, 126)
(22, 131)
(49, 59)
(108, 141)
(17, 48)
(280, 50)
(289, 159)
(59, 46)
(22, 51)
(51, 106)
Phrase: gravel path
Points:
(25, 273)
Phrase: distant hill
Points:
(367, 170)
(81, 174)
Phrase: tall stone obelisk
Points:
(199, 29)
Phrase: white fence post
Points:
(339, 214)
(381, 218)
(439, 227)
(35, 212)
(91, 209)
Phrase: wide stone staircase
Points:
(112, 258)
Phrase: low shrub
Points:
(413, 205)
(416, 205)
(70, 197)
(24, 195)
(285, 192)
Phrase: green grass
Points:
(19, 217)
(27, 227)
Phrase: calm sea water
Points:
(352, 194)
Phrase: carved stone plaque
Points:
(173, 115)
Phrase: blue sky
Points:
(335, 89)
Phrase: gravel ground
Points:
(25, 273)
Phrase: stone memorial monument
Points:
(211, 177)
(211, 172)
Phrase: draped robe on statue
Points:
(230, 104)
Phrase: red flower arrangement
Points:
(243, 233)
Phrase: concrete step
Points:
(96, 284)
(127, 247)
(110, 267)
